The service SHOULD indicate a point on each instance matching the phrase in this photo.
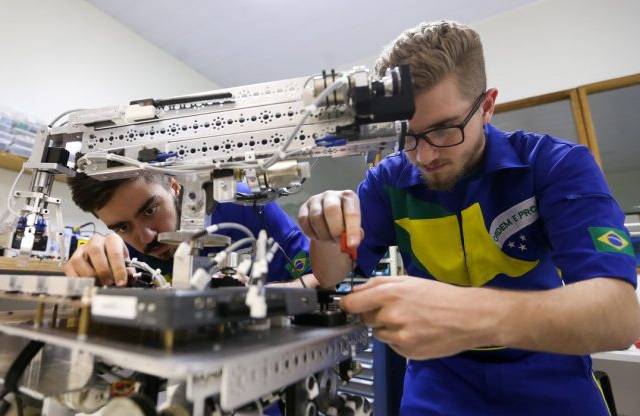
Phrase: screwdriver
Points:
(352, 252)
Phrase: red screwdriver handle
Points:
(351, 251)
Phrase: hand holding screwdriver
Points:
(332, 222)
(352, 252)
(324, 217)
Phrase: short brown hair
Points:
(91, 194)
(436, 50)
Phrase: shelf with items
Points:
(17, 136)
(17, 133)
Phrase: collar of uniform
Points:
(499, 154)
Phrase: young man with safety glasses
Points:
(518, 263)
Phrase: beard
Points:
(442, 184)
(448, 182)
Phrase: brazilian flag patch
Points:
(611, 240)
(299, 264)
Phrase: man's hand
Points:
(419, 318)
(102, 257)
(324, 217)
(327, 215)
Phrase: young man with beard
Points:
(518, 262)
(137, 210)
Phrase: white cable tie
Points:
(220, 257)
(244, 266)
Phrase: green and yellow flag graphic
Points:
(299, 264)
(435, 237)
(611, 240)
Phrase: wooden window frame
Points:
(601, 86)
(579, 99)
(576, 110)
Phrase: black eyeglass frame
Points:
(424, 135)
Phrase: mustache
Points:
(152, 246)
(434, 163)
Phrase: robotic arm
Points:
(259, 134)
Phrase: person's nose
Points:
(145, 235)
(426, 153)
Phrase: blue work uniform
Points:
(290, 262)
(535, 215)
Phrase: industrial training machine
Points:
(193, 345)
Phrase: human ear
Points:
(489, 105)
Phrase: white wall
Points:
(65, 54)
(553, 45)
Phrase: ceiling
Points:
(247, 41)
